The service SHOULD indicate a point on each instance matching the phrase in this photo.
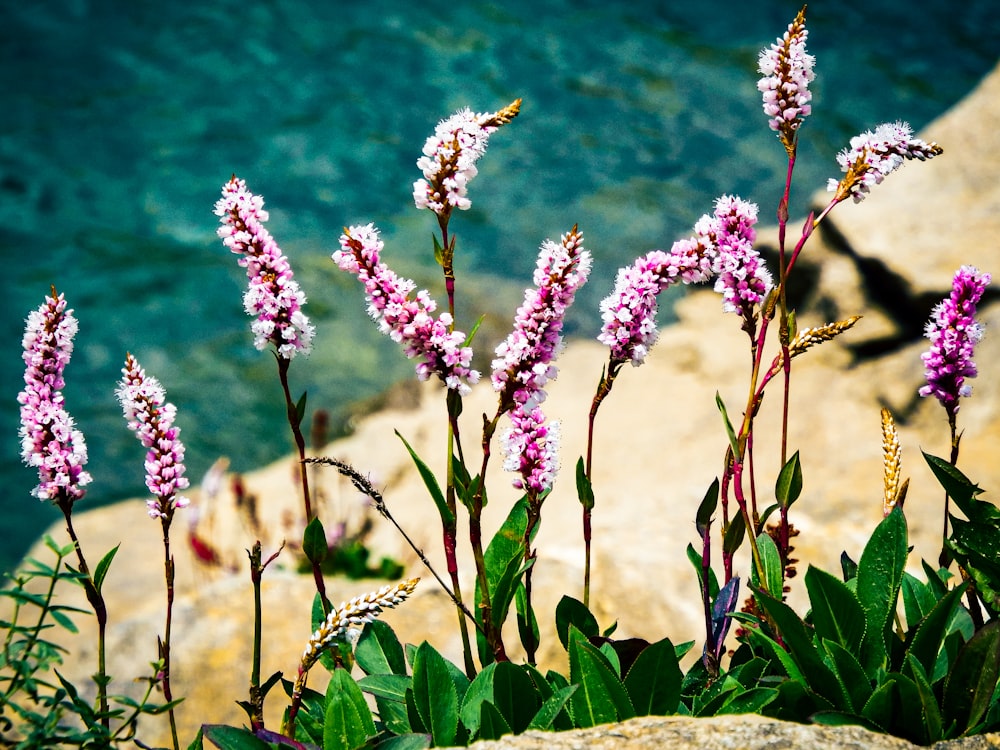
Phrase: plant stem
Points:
(300, 443)
(100, 612)
(168, 571)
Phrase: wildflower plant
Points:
(926, 670)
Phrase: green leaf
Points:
(300, 408)
(601, 697)
(348, 723)
(379, 651)
(932, 630)
(703, 518)
(196, 743)
(836, 611)
(584, 489)
(959, 488)
(102, 567)
(553, 706)
(390, 686)
(773, 570)
(63, 620)
(438, 250)
(929, 709)
(748, 701)
(314, 542)
(515, 696)
(434, 695)
(492, 725)
(972, 682)
(474, 330)
(570, 611)
(854, 683)
(729, 425)
(799, 642)
(880, 575)
(231, 738)
(405, 742)
(527, 623)
(480, 689)
(654, 680)
(918, 599)
(789, 485)
(431, 483)
(734, 534)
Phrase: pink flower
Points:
(531, 448)
(954, 333)
(450, 156)
(874, 155)
(787, 71)
(742, 279)
(142, 399)
(49, 440)
(523, 362)
(407, 321)
(273, 295)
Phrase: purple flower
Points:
(450, 156)
(142, 399)
(954, 333)
(273, 295)
(787, 71)
(742, 279)
(406, 321)
(531, 448)
(49, 440)
(874, 155)
(523, 362)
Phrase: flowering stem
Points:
(96, 600)
(295, 422)
(168, 570)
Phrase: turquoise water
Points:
(122, 120)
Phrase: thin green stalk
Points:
(295, 422)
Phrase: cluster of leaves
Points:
(38, 706)
(849, 660)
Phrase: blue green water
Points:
(121, 121)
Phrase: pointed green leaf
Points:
(929, 709)
(836, 611)
(480, 690)
(348, 723)
(231, 738)
(748, 701)
(933, 629)
(553, 706)
(707, 507)
(515, 696)
(390, 686)
(527, 623)
(971, 684)
(729, 425)
(880, 575)
(601, 697)
(434, 695)
(102, 567)
(314, 542)
(918, 599)
(492, 725)
(959, 488)
(584, 489)
(789, 485)
(405, 742)
(379, 651)
(571, 611)
(734, 534)
(300, 408)
(431, 483)
(854, 683)
(773, 569)
(654, 680)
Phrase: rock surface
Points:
(659, 444)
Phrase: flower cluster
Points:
(406, 321)
(273, 295)
(142, 399)
(787, 71)
(531, 448)
(742, 279)
(350, 617)
(874, 155)
(450, 156)
(523, 361)
(49, 440)
(954, 333)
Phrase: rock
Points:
(659, 444)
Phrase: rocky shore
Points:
(660, 443)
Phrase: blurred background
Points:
(121, 121)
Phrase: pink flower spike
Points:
(954, 333)
(273, 295)
(629, 312)
(50, 441)
(531, 448)
(872, 156)
(523, 364)
(787, 72)
(743, 279)
(142, 399)
(450, 155)
(407, 321)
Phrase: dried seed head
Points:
(809, 337)
(892, 464)
(351, 616)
